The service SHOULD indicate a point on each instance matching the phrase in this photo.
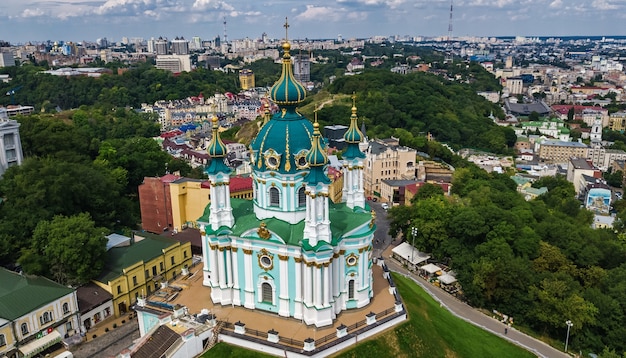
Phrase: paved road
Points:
(109, 344)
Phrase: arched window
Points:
(266, 293)
(3, 341)
(46, 317)
(66, 308)
(24, 328)
(351, 289)
(301, 197)
(274, 197)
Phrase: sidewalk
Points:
(473, 316)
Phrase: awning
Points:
(410, 254)
(447, 279)
(431, 268)
(40, 344)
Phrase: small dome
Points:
(287, 90)
(216, 147)
(316, 157)
(353, 134)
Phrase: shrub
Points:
(123, 321)
(106, 329)
(114, 325)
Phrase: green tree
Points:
(68, 249)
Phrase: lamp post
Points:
(569, 325)
(413, 234)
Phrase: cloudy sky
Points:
(77, 20)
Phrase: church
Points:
(290, 250)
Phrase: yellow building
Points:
(556, 151)
(190, 197)
(617, 121)
(35, 314)
(139, 268)
(246, 78)
(387, 160)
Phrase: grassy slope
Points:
(432, 331)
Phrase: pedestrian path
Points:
(475, 317)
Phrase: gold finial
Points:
(353, 99)
(315, 113)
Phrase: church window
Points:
(24, 328)
(266, 292)
(351, 289)
(301, 197)
(66, 308)
(352, 260)
(274, 197)
(3, 340)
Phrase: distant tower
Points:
(225, 35)
(449, 57)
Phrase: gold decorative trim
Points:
(234, 249)
(287, 155)
(264, 254)
(326, 264)
(283, 257)
(352, 258)
(335, 255)
(263, 232)
(342, 252)
(272, 159)
(213, 247)
(310, 264)
(298, 157)
(221, 249)
(361, 249)
(292, 184)
(319, 265)
(247, 251)
(297, 259)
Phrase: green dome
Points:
(216, 147)
(282, 143)
(353, 134)
(316, 156)
(287, 90)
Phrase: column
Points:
(298, 280)
(283, 309)
(307, 284)
(206, 281)
(222, 265)
(235, 265)
(249, 290)
(318, 286)
(327, 284)
(213, 265)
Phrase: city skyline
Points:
(87, 20)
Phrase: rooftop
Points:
(91, 296)
(21, 294)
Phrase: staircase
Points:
(216, 332)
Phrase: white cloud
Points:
(33, 13)
(604, 5)
(556, 4)
(313, 12)
(212, 5)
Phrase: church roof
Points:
(343, 221)
(217, 151)
(287, 90)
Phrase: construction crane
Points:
(11, 93)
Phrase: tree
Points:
(428, 190)
(68, 249)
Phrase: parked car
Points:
(384, 206)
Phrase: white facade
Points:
(10, 144)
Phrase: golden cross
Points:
(286, 26)
(315, 112)
(353, 99)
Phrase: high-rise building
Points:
(174, 63)
(160, 46)
(302, 67)
(180, 46)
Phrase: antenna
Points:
(449, 56)
(225, 35)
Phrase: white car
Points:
(384, 206)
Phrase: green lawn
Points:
(223, 350)
(431, 331)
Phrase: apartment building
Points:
(617, 121)
(174, 63)
(557, 151)
(386, 159)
